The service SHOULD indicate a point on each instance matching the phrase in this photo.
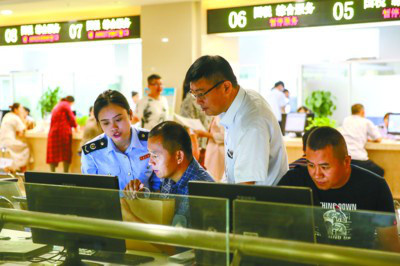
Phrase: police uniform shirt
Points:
(254, 147)
(101, 156)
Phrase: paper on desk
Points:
(194, 124)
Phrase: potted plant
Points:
(321, 104)
(48, 100)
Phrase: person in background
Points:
(29, 121)
(135, 100)
(171, 159)
(153, 108)
(302, 161)
(122, 149)
(277, 100)
(214, 160)
(190, 109)
(341, 188)
(135, 97)
(12, 133)
(59, 139)
(287, 98)
(254, 148)
(383, 129)
(357, 130)
(91, 129)
(303, 109)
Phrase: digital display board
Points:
(301, 14)
(72, 31)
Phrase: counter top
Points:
(43, 134)
(385, 144)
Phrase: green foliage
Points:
(48, 100)
(321, 104)
(320, 122)
(82, 120)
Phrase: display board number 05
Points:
(343, 10)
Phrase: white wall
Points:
(83, 70)
(280, 55)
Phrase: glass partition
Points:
(66, 223)
(372, 83)
(157, 228)
(338, 225)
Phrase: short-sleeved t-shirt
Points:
(152, 111)
(336, 221)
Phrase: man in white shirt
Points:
(153, 108)
(277, 100)
(254, 148)
(357, 130)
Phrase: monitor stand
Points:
(73, 259)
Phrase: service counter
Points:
(386, 154)
(37, 141)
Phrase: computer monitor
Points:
(201, 217)
(3, 113)
(295, 122)
(394, 124)
(65, 198)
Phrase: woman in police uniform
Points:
(122, 149)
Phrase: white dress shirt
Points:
(277, 100)
(356, 130)
(254, 148)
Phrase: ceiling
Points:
(32, 7)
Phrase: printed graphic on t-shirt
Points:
(154, 112)
(337, 220)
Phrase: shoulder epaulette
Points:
(95, 145)
(143, 135)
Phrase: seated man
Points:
(171, 158)
(339, 187)
(357, 130)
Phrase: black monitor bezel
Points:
(57, 180)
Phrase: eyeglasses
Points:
(201, 95)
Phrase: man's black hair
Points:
(305, 137)
(152, 77)
(211, 67)
(174, 138)
(322, 137)
(279, 83)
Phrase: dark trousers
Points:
(369, 165)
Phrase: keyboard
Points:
(117, 258)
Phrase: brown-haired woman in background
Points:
(12, 132)
(59, 141)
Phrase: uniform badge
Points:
(143, 135)
(95, 145)
(144, 157)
